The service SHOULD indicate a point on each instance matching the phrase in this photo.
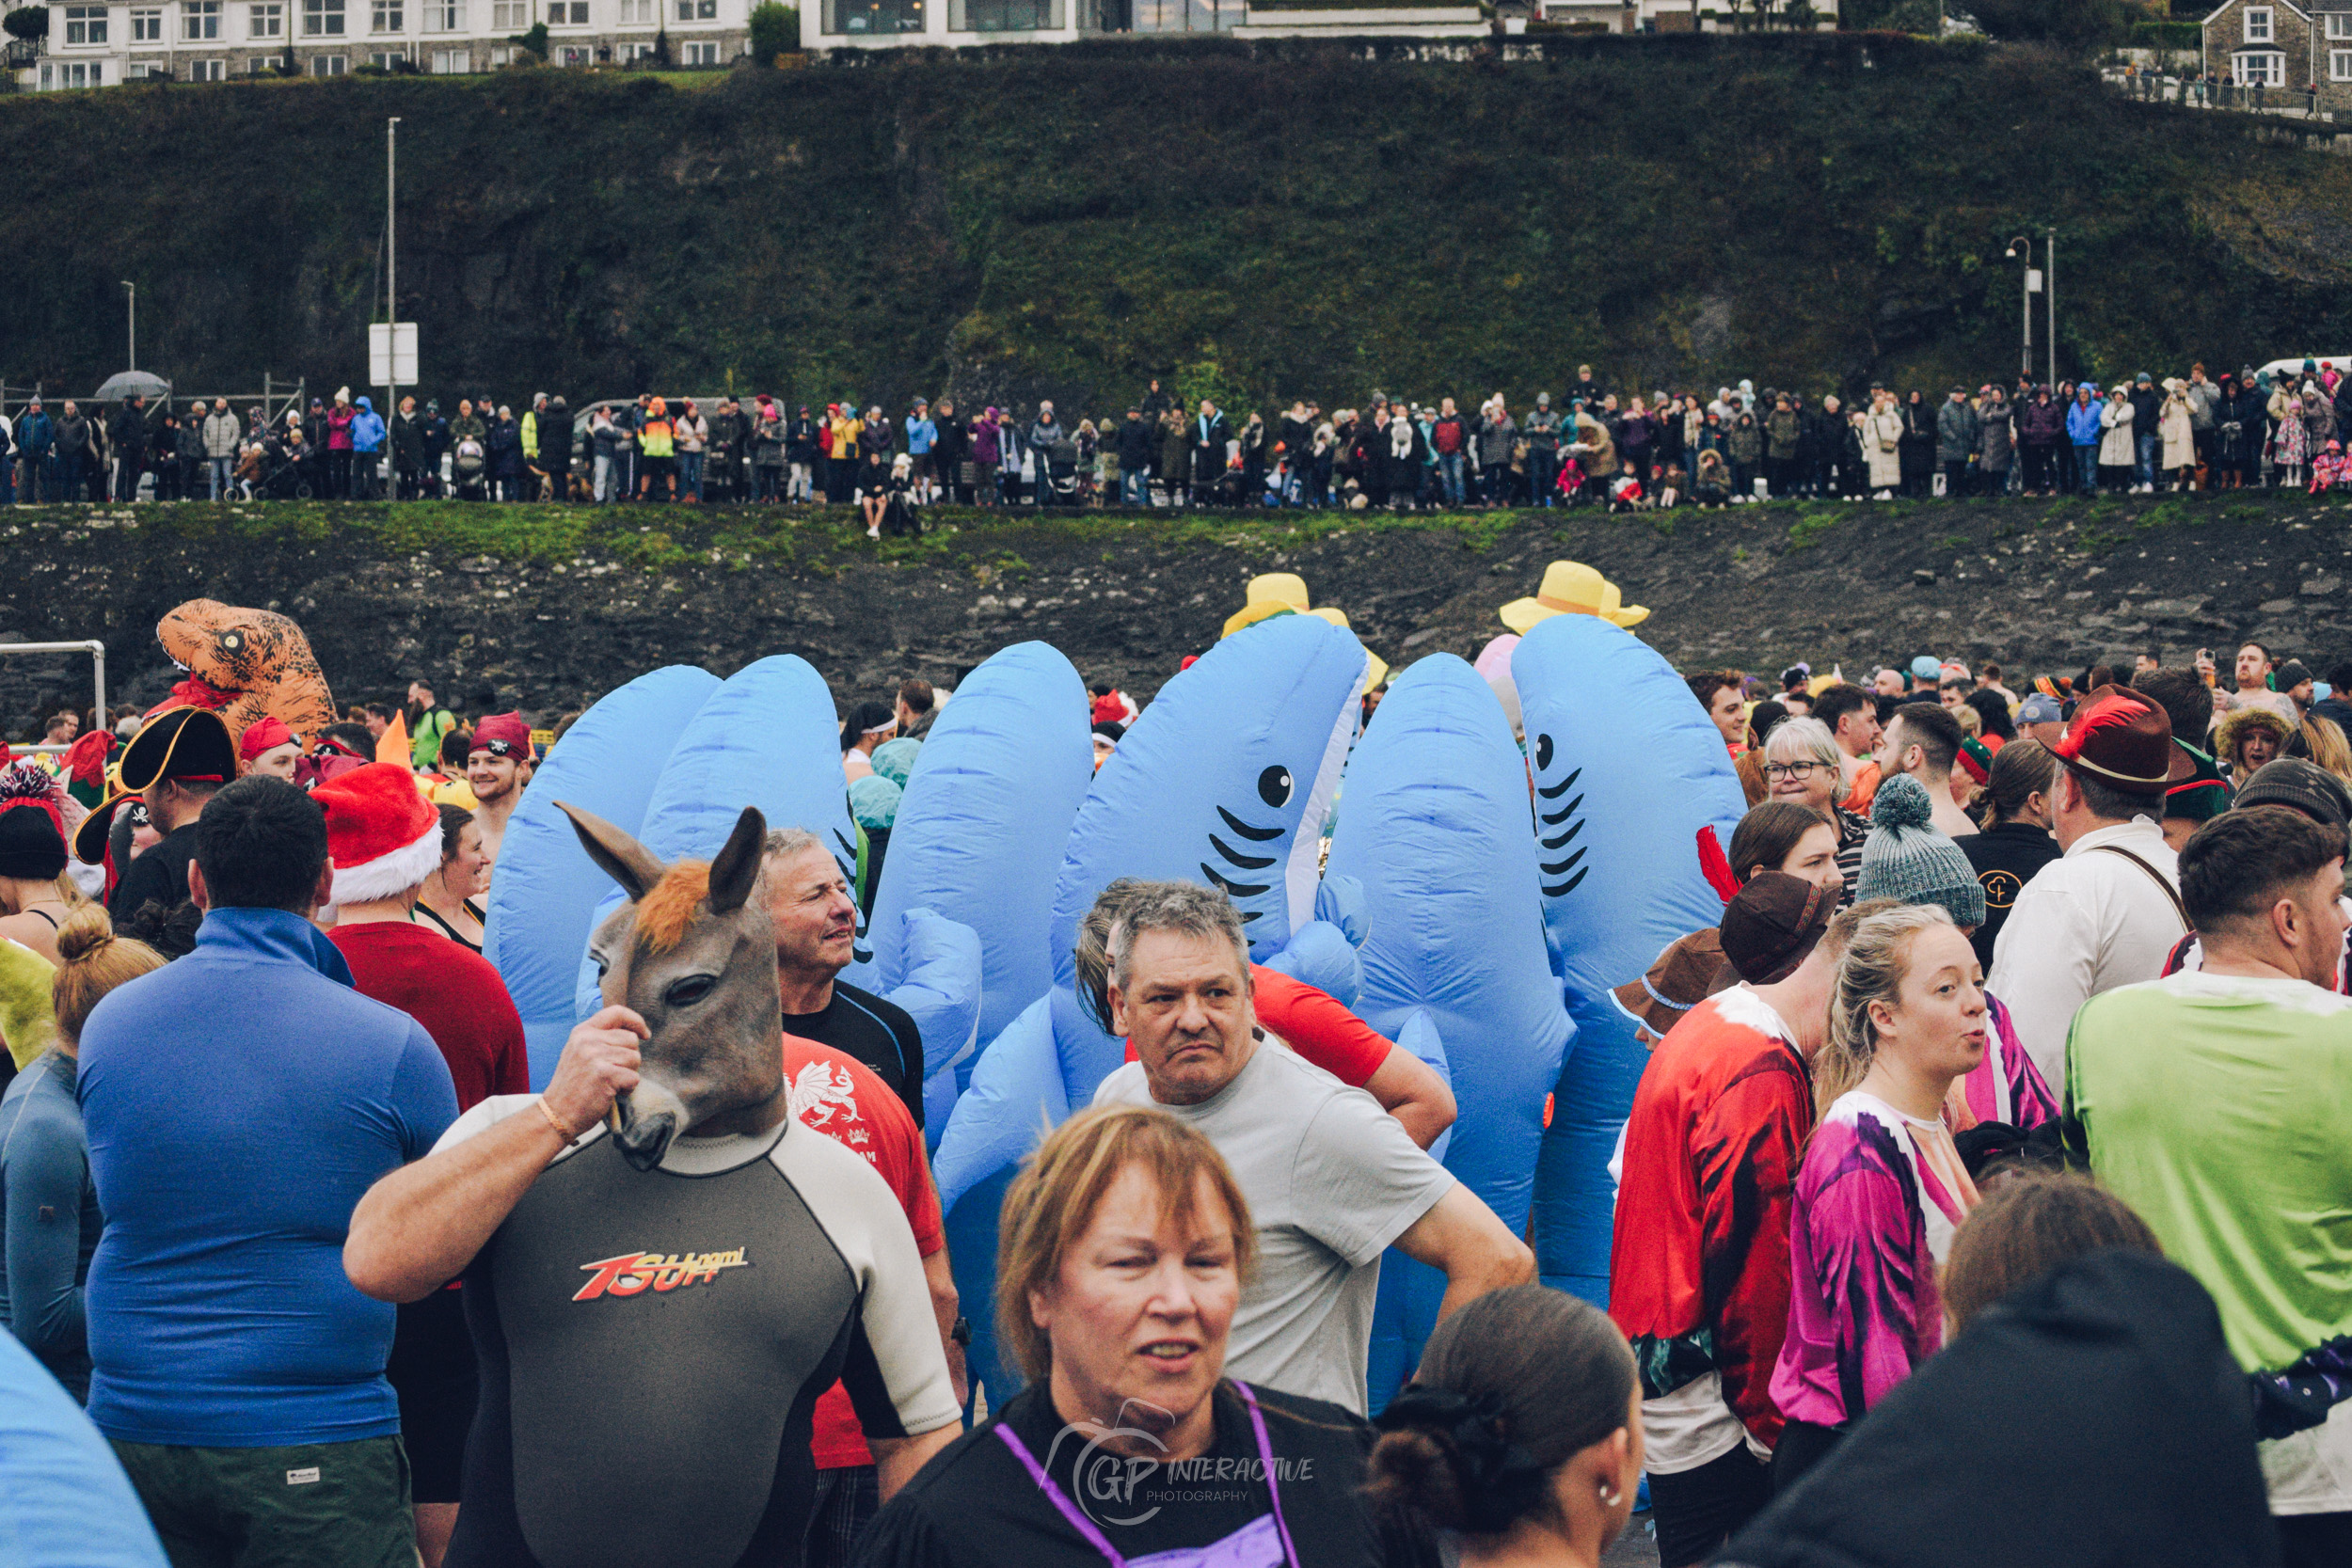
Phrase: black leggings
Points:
(1698, 1511)
(1803, 1444)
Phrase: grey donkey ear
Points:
(622, 858)
(736, 872)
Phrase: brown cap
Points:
(1772, 923)
(1689, 971)
(2122, 740)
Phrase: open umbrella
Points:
(132, 384)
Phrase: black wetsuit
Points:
(652, 1345)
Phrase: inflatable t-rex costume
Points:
(245, 664)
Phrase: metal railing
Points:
(93, 647)
(2205, 92)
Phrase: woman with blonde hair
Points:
(2323, 738)
(1883, 1188)
(1123, 1248)
(51, 1207)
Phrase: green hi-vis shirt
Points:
(425, 746)
(2220, 1109)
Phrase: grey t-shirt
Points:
(1331, 1181)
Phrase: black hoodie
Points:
(2092, 1418)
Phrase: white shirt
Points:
(2087, 922)
(1331, 1180)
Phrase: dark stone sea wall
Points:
(545, 608)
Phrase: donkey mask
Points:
(693, 954)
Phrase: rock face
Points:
(547, 608)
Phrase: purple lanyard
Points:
(1094, 1537)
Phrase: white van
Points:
(2341, 362)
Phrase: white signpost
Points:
(393, 353)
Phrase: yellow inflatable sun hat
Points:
(1572, 588)
(1278, 588)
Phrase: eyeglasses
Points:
(1797, 770)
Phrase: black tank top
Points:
(652, 1346)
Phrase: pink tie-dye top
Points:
(1877, 1201)
(2005, 1085)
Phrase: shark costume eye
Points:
(1543, 752)
(231, 640)
(1274, 786)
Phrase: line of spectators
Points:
(1597, 445)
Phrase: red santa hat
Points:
(384, 838)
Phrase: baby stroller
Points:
(1062, 475)
(470, 468)
(276, 474)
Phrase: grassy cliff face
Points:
(1805, 212)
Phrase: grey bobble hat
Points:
(1905, 858)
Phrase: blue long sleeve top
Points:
(49, 1218)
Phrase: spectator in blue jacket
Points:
(239, 1102)
(2082, 428)
(367, 446)
(35, 438)
(922, 435)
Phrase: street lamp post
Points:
(2019, 248)
(392, 269)
(135, 325)
(2049, 298)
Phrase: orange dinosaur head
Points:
(245, 664)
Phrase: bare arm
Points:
(942, 1280)
(418, 1228)
(1410, 1090)
(899, 1459)
(1462, 1237)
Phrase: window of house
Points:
(265, 21)
(199, 19)
(208, 71)
(2257, 24)
(576, 54)
(147, 71)
(84, 24)
(2339, 64)
(636, 52)
(259, 65)
(323, 18)
(327, 65)
(1187, 16)
(147, 27)
(637, 13)
(510, 16)
(452, 62)
(697, 10)
(2261, 69)
(856, 17)
(2340, 25)
(388, 16)
(75, 74)
(701, 54)
(385, 60)
(568, 13)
